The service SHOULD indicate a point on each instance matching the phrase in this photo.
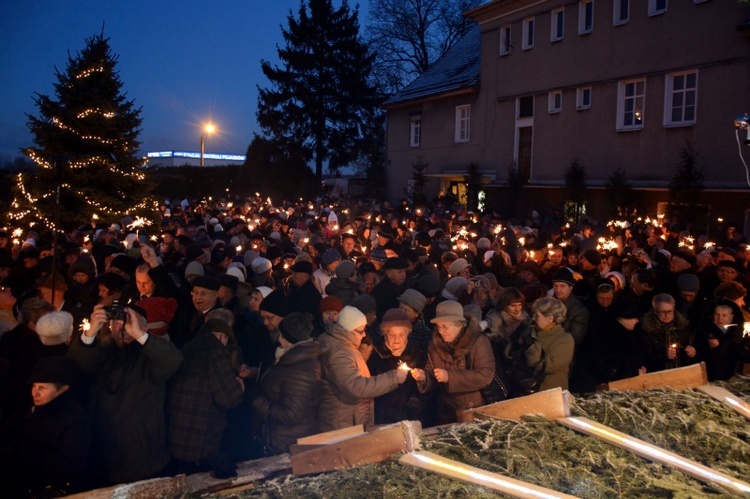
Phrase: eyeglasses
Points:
(663, 312)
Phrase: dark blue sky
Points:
(183, 62)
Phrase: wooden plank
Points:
(295, 449)
(728, 398)
(248, 472)
(678, 379)
(156, 487)
(551, 404)
(656, 454)
(372, 447)
(476, 476)
(331, 437)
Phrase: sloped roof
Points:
(457, 69)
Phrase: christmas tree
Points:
(86, 142)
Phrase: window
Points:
(621, 13)
(505, 44)
(557, 25)
(528, 33)
(526, 107)
(585, 16)
(583, 98)
(656, 7)
(415, 130)
(681, 93)
(463, 122)
(631, 95)
(555, 101)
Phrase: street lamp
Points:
(208, 129)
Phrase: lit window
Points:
(557, 25)
(415, 131)
(585, 16)
(555, 101)
(631, 96)
(621, 13)
(681, 94)
(463, 123)
(505, 40)
(528, 33)
(656, 7)
(583, 98)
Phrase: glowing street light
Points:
(208, 130)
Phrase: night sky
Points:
(183, 62)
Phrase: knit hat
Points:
(564, 275)
(364, 303)
(296, 327)
(532, 267)
(345, 269)
(330, 256)
(592, 256)
(395, 263)
(378, 254)
(456, 285)
(395, 317)
(123, 262)
(428, 285)
(330, 302)
(207, 282)
(414, 299)
(235, 270)
(483, 243)
(194, 269)
(275, 303)
(686, 255)
(249, 257)
(304, 267)
(727, 263)
(264, 291)
(54, 369)
(219, 326)
(350, 318)
(193, 251)
(688, 283)
(448, 311)
(261, 265)
(457, 266)
(54, 328)
(83, 264)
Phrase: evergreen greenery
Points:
(418, 182)
(575, 186)
(85, 144)
(685, 187)
(321, 103)
(620, 195)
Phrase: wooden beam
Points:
(372, 447)
(333, 436)
(248, 472)
(156, 487)
(552, 404)
(728, 398)
(656, 454)
(476, 476)
(678, 379)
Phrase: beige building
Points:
(611, 84)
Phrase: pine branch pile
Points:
(545, 453)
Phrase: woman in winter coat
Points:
(552, 342)
(504, 319)
(348, 389)
(290, 390)
(459, 362)
(719, 340)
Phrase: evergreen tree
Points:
(686, 186)
(418, 182)
(321, 95)
(575, 187)
(620, 194)
(86, 143)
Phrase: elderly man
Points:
(577, 315)
(128, 384)
(302, 294)
(668, 341)
(191, 314)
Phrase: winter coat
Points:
(348, 389)
(657, 337)
(722, 362)
(126, 403)
(304, 299)
(557, 347)
(501, 326)
(344, 289)
(470, 364)
(289, 397)
(576, 319)
(199, 395)
(386, 294)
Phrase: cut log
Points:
(156, 487)
(476, 476)
(372, 447)
(656, 454)
(678, 379)
(728, 398)
(551, 404)
(331, 437)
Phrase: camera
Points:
(477, 284)
(115, 312)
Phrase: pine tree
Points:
(86, 143)
(321, 94)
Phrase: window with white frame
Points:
(681, 95)
(621, 12)
(656, 7)
(415, 130)
(463, 123)
(583, 98)
(505, 40)
(557, 26)
(631, 96)
(555, 101)
(528, 33)
(585, 16)
(525, 107)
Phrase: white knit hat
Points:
(264, 291)
(54, 328)
(351, 318)
(261, 265)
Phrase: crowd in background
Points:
(228, 329)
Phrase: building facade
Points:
(626, 85)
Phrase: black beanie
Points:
(275, 303)
(296, 327)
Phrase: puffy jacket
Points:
(557, 346)
(348, 389)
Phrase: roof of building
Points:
(457, 69)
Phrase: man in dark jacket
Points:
(388, 290)
(302, 294)
(128, 383)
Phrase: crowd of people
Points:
(231, 328)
